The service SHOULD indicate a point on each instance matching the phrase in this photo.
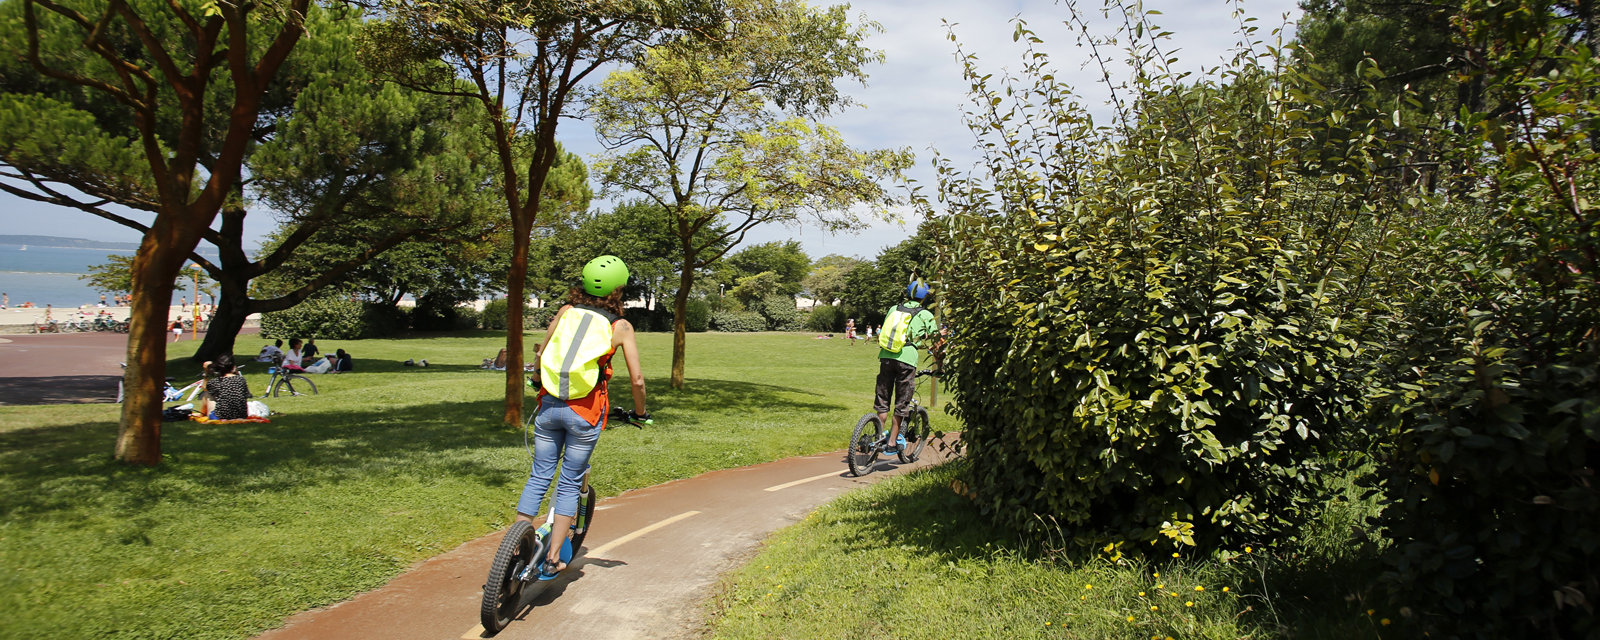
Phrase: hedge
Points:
(737, 321)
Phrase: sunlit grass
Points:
(246, 524)
(909, 558)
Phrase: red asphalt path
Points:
(651, 557)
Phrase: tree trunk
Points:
(516, 297)
(232, 310)
(154, 270)
(680, 326)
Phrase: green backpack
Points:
(897, 327)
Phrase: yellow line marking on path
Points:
(601, 552)
(475, 634)
(786, 485)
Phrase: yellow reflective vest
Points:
(570, 366)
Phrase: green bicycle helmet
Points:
(603, 275)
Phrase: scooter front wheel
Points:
(502, 594)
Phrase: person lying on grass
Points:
(227, 394)
(574, 367)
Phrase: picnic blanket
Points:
(204, 420)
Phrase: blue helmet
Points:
(917, 290)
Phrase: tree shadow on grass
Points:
(57, 470)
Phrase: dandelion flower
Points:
(1371, 611)
(1141, 594)
(1046, 624)
(1130, 618)
(1384, 622)
(1199, 588)
(1189, 603)
(1224, 589)
(1161, 586)
(1155, 608)
(1174, 554)
(1173, 594)
(1156, 574)
(1247, 549)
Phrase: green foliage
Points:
(780, 313)
(753, 289)
(787, 262)
(1490, 415)
(384, 319)
(872, 287)
(825, 318)
(726, 132)
(737, 321)
(538, 319)
(442, 313)
(493, 316)
(1145, 346)
(698, 316)
(333, 316)
(826, 282)
(115, 275)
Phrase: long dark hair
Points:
(222, 366)
(612, 302)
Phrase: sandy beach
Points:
(15, 316)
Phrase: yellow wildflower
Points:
(1141, 594)
(1384, 621)
(1224, 589)
(1155, 608)
(1130, 618)
(1247, 549)
(1189, 603)
(1199, 588)
(1371, 611)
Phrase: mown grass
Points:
(246, 524)
(909, 558)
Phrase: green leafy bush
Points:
(697, 316)
(385, 320)
(441, 314)
(737, 321)
(1144, 349)
(780, 313)
(1491, 411)
(494, 313)
(825, 318)
(538, 319)
(331, 316)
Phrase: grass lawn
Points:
(909, 558)
(246, 524)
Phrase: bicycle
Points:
(871, 438)
(283, 379)
(514, 575)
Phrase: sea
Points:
(50, 275)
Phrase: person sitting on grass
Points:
(270, 352)
(344, 362)
(292, 358)
(574, 367)
(227, 394)
(498, 363)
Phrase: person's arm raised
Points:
(624, 338)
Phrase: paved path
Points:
(653, 555)
(64, 368)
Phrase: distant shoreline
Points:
(67, 243)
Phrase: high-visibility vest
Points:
(896, 327)
(570, 365)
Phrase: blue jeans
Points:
(556, 429)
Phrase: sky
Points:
(912, 100)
